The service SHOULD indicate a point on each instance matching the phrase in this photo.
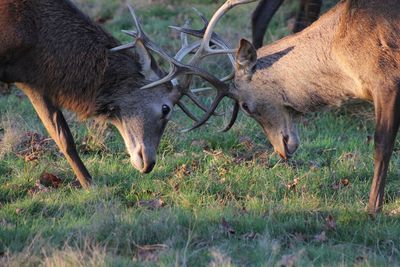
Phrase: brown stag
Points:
(265, 10)
(61, 59)
(351, 52)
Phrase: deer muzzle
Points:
(143, 159)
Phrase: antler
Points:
(202, 49)
(205, 50)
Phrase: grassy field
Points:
(213, 199)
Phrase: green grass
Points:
(226, 204)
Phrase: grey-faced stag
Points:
(308, 12)
(61, 59)
(351, 52)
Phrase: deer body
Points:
(351, 52)
(61, 59)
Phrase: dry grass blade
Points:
(152, 204)
(150, 252)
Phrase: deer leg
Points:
(308, 13)
(261, 17)
(387, 112)
(58, 129)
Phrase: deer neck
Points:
(304, 69)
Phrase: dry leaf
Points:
(330, 223)
(32, 146)
(321, 237)
(342, 183)
(182, 171)
(152, 204)
(292, 185)
(226, 227)
(200, 144)
(150, 252)
(345, 182)
(18, 210)
(246, 142)
(38, 187)
(50, 180)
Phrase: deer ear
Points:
(246, 57)
(146, 61)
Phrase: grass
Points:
(213, 199)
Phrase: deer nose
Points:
(290, 147)
(148, 159)
(148, 167)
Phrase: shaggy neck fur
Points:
(60, 53)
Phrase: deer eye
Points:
(245, 107)
(165, 110)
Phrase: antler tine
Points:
(187, 111)
(184, 37)
(209, 113)
(192, 97)
(185, 50)
(205, 50)
(202, 17)
(233, 118)
(229, 4)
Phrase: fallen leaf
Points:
(38, 187)
(150, 252)
(50, 180)
(395, 212)
(32, 145)
(214, 153)
(200, 144)
(292, 185)
(340, 184)
(182, 171)
(345, 182)
(226, 227)
(152, 204)
(321, 237)
(246, 142)
(330, 223)
(18, 210)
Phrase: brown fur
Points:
(61, 59)
(352, 52)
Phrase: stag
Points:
(61, 59)
(265, 10)
(351, 52)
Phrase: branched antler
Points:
(210, 44)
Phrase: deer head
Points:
(264, 102)
(141, 115)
